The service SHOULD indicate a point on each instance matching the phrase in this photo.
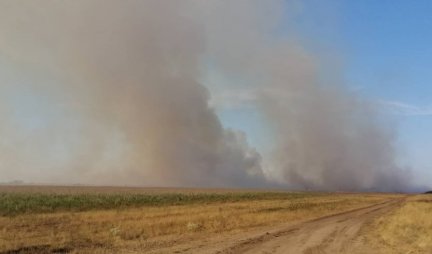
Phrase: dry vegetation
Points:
(146, 220)
(407, 229)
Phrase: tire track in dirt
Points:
(339, 233)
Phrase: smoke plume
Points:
(111, 92)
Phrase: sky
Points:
(384, 50)
(119, 89)
(389, 56)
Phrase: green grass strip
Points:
(20, 203)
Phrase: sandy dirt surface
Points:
(339, 233)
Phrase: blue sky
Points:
(385, 53)
(389, 56)
(388, 51)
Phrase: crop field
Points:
(12, 204)
(112, 220)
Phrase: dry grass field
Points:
(128, 220)
(408, 229)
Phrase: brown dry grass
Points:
(407, 229)
(149, 228)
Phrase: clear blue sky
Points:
(385, 50)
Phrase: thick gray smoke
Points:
(113, 88)
(129, 89)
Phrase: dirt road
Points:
(339, 233)
(333, 234)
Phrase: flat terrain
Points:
(47, 219)
(339, 233)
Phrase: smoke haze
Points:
(111, 92)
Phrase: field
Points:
(37, 219)
(407, 229)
